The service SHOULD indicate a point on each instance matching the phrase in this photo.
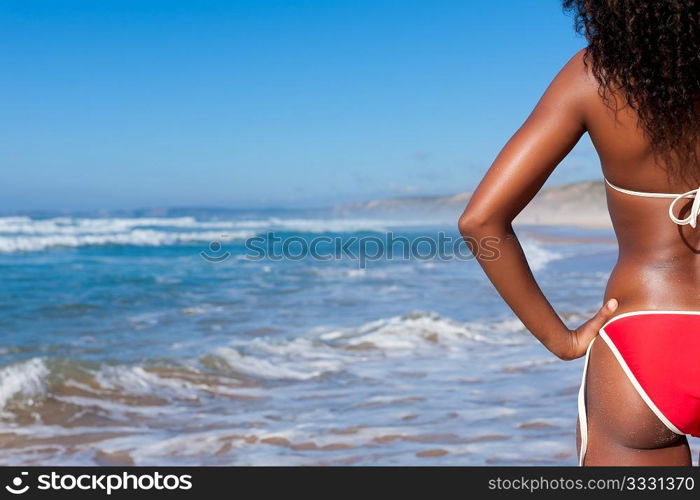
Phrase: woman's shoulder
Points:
(577, 71)
(574, 86)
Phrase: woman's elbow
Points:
(472, 223)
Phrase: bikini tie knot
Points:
(692, 218)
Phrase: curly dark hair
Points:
(648, 52)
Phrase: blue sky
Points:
(122, 104)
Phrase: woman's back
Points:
(659, 260)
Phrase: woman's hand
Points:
(579, 339)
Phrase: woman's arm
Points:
(547, 136)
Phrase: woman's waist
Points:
(655, 284)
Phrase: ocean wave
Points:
(80, 226)
(325, 351)
(231, 370)
(25, 378)
(24, 234)
(76, 226)
(179, 382)
(137, 237)
(137, 380)
(282, 362)
(537, 256)
(117, 389)
(419, 329)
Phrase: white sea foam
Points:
(75, 226)
(132, 379)
(537, 256)
(136, 380)
(296, 359)
(136, 237)
(78, 226)
(26, 378)
(325, 351)
(24, 234)
(412, 330)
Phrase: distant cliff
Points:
(578, 204)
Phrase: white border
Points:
(582, 419)
(649, 194)
(642, 312)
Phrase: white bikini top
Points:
(692, 218)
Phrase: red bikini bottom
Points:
(659, 352)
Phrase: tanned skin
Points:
(658, 265)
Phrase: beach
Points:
(135, 340)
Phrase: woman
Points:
(635, 90)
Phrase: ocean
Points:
(173, 340)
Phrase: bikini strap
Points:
(643, 194)
(692, 218)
